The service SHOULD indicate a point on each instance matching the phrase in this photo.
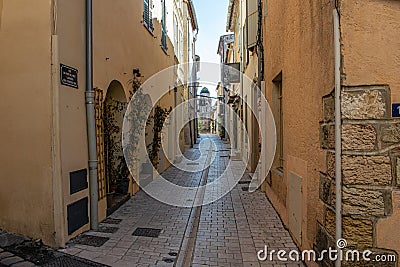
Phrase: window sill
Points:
(148, 29)
(165, 50)
(278, 171)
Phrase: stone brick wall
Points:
(370, 167)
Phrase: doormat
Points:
(111, 221)
(90, 240)
(147, 232)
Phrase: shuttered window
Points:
(148, 15)
(164, 26)
(252, 23)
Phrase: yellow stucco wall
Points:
(26, 200)
(371, 46)
(298, 40)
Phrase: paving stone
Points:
(5, 254)
(24, 264)
(11, 260)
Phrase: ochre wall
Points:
(26, 201)
(70, 30)
(371, 46)
(298, 40)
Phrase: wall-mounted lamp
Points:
(137, 73)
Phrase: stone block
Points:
(330, 164)
(358, 137)
(366, 170)
(363, 202)
(325, 189)
(364, 103)
(329, 108)
(398, 170)
(358, 232)
(330, 222)
(390, 133)
(328, 136)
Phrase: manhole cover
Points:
(246, 188)
(112, 221)
(173, 254)
(106, 229)
(68, 261)
(244, 182)
(168, 260)
(147, 232)
(192, 164)
(90, 240)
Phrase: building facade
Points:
(297, 53)
(44, 188)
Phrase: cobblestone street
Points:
(228, 232)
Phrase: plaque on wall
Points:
(69, 76)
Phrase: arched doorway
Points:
(116, 172)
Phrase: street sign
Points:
(69, 76)
(396, 110)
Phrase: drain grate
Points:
(192, 164)
(68, 261)
(245, 188)
(112, 221)
(223, 156)
(107, 229)
(147, 232)
(173, 254)
(244, 182)
(168, 260)
(90, 240)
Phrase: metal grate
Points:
(112, 221)
(69, 261)
(147, 232)
(89, 240)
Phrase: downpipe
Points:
(90, 117)
(338, 125)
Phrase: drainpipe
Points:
(90, 117)
(338, 137)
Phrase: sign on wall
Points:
(396, 110)
(231, 73)
(69, 76)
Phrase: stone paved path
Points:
(228, 232)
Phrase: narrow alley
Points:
(228, 232)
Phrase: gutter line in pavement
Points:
(186, 251)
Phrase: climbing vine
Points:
(159, 117)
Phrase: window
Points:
(148, 14)
(278, 116)
(252, 23)
(164, 26)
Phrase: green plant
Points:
(112, 131)
(135, 118)
(159, 117)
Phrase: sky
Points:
(211, 17)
